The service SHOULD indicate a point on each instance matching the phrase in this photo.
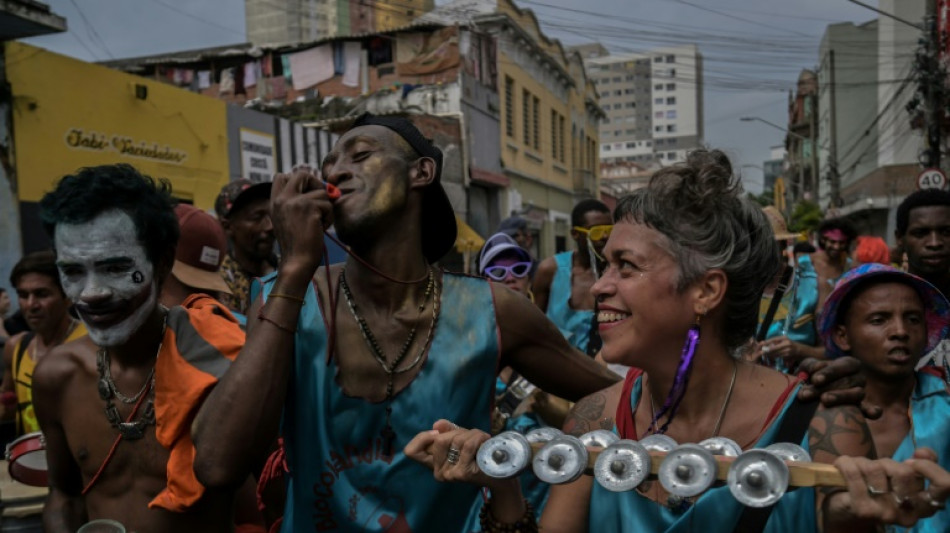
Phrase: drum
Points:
(27, 457)
(21, 506)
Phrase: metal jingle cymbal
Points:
(562, 460)
(543, 434)
(758, 478)
(599, 438)
(722, 446)
(622, 466)
(504, 456)
(658, 443)
(687, 470)
(788, 451)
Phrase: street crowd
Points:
(190, 372)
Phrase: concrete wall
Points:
(897, 44)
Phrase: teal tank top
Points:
(796, 316)
(716, 510)
(930, 415)
(339, 478)
(574, 324)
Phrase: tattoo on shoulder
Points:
(586, 415)
(832, 428)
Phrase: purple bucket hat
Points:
(937, 309)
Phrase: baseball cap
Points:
(936, 314)
(496, 245)
(439, 230)
(200, 251)
(239, 193)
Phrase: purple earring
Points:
(683, 371)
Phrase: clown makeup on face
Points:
(106, 272)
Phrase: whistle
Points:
(332, 191)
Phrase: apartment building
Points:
(653, 102)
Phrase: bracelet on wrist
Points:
(526, 524)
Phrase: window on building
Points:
(670, 86)
(671, 128)
(630, 132)
(658, 59)
(658, 87)
(671, 113)
(618, 79)
(554, 132)
(526, 116)
(617, 133)
(671, 100)
(618, 106)
(658, 114)
(605, 147)
(672, 72)
(671, 59)
(631, 145)
(629, 91)
(628, 77)
(618, 92)
(659, 142)
(671, 142)
(671, 155)
(536, 115)
(561, 135)
(630, 105)
(658, 129)
(658, 101)
(509, 106)
(605, 94)
(649, 144)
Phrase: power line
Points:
(95, 38)
(199, 19)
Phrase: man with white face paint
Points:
(116, 407)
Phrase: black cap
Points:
(239, 193)
(439, 230)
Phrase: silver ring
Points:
(453, 456)
(932, 502)
(901, 501)
(765, 349)
(875, 492)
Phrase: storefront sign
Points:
(258, 162)
(81, 139)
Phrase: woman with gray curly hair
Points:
(687, 261)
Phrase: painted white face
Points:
(106, 272)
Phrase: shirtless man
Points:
(115, 232)
(833, 258)
(562, 283)
(46, 310)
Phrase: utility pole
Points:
(813, 133)
(833, 146)
(930, 78)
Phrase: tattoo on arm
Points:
(587, 415)
(830, 428)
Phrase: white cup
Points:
(102, 525)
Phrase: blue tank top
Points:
(930, 415)
(715, 511)
(339, 478)
(573, 323)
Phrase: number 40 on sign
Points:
(932, 178)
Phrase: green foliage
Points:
(765, 199)
(806, 216)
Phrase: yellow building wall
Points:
(515, 153)
(391, 14)
(69, 114)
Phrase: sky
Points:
(753, 50)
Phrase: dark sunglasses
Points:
(499, 272)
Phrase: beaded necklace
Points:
(392, 369)
(108, 391)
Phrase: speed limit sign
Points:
(932, 178)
